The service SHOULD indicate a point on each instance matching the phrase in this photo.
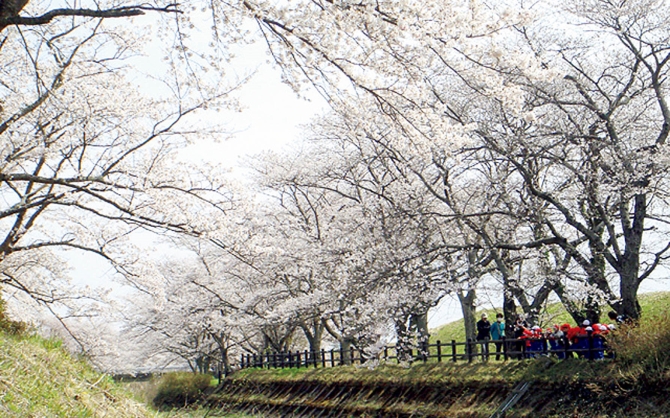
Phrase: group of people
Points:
(586, 340)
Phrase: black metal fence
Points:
(592, 347)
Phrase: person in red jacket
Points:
(579, 338)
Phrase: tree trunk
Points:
(419, 327)
(509, 306)
(225, 362)
(468, 308)
(630, 264)
(403, 344)
(314, 333)
(345, 349)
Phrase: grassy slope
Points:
(652, 304)
(39, 378)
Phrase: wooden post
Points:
(439, 351)
(332, 358)
(323, 357)
(453, 350)
(352, 354)
(504, 348)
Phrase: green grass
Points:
(39, 378)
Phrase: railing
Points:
(592, 347)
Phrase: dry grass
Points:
(39, 378)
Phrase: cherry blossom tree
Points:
(89, 151)
(570, 94)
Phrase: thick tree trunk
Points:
(630, 263)
(419, 327)
(509, 306)
(468, 308)
(630, 307)
(313, 331)
(345, 349)
(403, 344)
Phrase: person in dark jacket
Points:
(484, 335)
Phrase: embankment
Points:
(566, 389)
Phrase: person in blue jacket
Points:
(498, 333)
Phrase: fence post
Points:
(469, 350)
(323, 358)
(453, 350)
(386, 352)
(425, 351)
(439, 351)
(341, 356)
(332, 358)
(504, 348)
(290, 359)
(268, 359)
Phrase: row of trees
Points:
(468, 143)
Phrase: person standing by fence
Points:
(498, 333)
(520, 328)
(484, 335)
